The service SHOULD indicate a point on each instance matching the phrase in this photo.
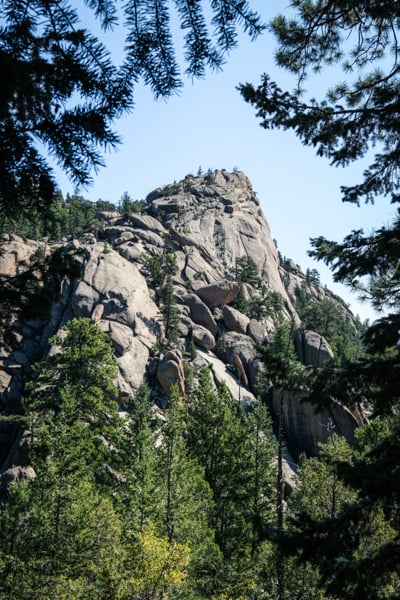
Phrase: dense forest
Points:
(181, 505)
(189, 499)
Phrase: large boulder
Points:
(257, 332)
(312, 349)
(222, 374)
(132, 366)
(146, 222)
(232, 344)
(234, 320)
(220, 292)
(170, 372)
(16, 474)
(199, 312)
(202, 337)
(111, 280)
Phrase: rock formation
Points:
(207, 223)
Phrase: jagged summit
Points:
(219, 217)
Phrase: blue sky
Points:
(209, 125)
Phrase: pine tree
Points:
(236, 454)
(186, 501)
(77, 380)
(356, 115)
(61, 88)
(169, 310)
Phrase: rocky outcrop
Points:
(207, 223)
(312, 349)
(200, 313)
(232, 344)
(234, 320)
(170, 372)
(16, 474)
(257, 332)
(203, 338)
(218, 293)
(305, 428)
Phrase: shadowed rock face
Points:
(305, 428)
(208, 222)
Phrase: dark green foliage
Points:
(368, 263)
(358, 114)
(156, 271)
(169, 310)
(346, 510)
(71, 216)
(247, 271)
(61, 90)
(77, 381)
(187, 500)
(128, 206)
(330, 320)
(241, 303)
(68, 541)
(236, 452)
(312, 277)
(282, 365)
(261, 305)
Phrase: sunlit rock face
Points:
(208, 224)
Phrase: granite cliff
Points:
(211, 228)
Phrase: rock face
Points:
(170, 372)
(312, 349)
(207, 223)
(221, 292)
(305, 429)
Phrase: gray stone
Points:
(16, 474)
(231, 344)
(170, 372)
(200, 313)
(121, 335)
(147, 222)
(97, 312)
(257, 331)
(220, 292)
(224, 375)
(312, 349)
(203, 338)
(132, 367)
(234, 320)
(305, 428)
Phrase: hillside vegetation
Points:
(160, 368)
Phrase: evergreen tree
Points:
(68, 523)
(62, 90)
(344, 531)
(286, 374)
(137, 495)
(77, 380)
(247, 271)
(169, 310)
(329, 320)
(186, 502)
(236, 453)
(355, 115)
